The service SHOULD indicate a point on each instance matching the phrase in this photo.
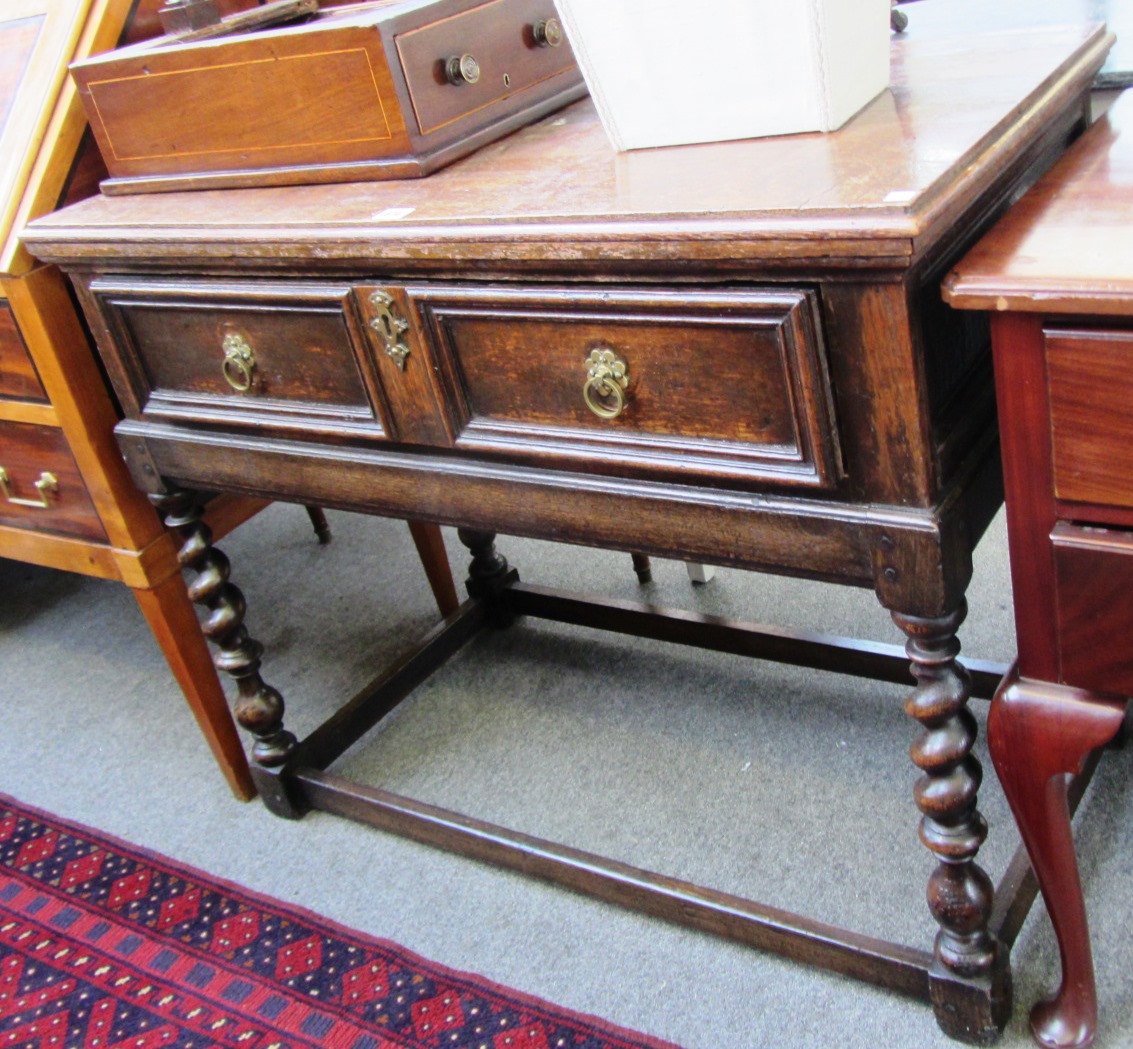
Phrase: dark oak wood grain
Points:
(796, 398)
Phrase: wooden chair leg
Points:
(643, 568)
(697, 573)
(431, 549)
(171, 617)
(319, 523)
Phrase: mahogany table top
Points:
(1068, 245)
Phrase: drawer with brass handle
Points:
(728, 383)
(40, 484)
(283, 355)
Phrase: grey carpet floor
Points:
(788, 786)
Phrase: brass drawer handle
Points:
(606, 382)
(47, 483)
(239, 362)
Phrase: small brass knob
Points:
(548, 32)
(606, 382)
(462, 69)
(239, 362)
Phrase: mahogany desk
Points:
(1057, 272)
(734, 354)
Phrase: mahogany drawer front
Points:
(40, 485)
(718, 383)
(500, 36)
(286, 356)
(1094, 574)
(1091, 408)
(18, 378)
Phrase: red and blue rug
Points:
(107, 946)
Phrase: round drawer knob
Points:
(462, 69)
(548, 32)
(606, 382)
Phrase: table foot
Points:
(970, 981)
(259, 707)
(1038, 735)
(489, 575)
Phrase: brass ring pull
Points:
(47, 483)
(606, 382)
(239, 363)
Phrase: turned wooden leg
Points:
(259, 707)
(170, 615)
(488, 575)
(970, 980)
(431, 549)
(1038, 735)
(642, 568)
(319, 523)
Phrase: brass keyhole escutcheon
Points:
(390, 327)
(606, 383)
(239, 362)
(47, 485)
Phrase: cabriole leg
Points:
(970, 980)
(1038, 735)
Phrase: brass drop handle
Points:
(606, 382)
(47, 483)
(462, 69)
(548, 32)
(239, 364)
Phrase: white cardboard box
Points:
(669, 72)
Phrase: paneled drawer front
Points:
(622, 381)
(1090, 377)
(18, 378)
(40, 485)
(1094, 571)
(501, 39)
(288, 356)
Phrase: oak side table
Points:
(733, 354)
(1057, 275)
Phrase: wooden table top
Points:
(1067, 246)
(883, 188)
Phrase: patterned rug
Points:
(107, 946)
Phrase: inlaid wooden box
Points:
(389, 89)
